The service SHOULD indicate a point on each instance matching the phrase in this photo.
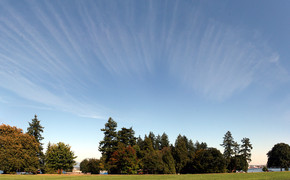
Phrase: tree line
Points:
(123, 153)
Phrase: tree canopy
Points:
(91, 165)
(208, 161)
(18, 150)
(279, 156)
(59, 157)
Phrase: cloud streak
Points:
(61, 55)
(220, 61)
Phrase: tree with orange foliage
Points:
(18, 150)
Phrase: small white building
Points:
(76, 170)
(103, 172)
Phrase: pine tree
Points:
(158, 143)
(180, 153)
(35, 130)
(236, 148)
(126, 136)
(140, 143)
(169, 163)
(164, 141)
(246, 148)
(228, 144)
(109, 143)
(153, 139)
(150, 160)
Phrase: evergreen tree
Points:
(35, 130)
(158, 142)
(228, 144)
(126, 136)
(236, 148)
(153, 139)
(150, 160)
(200, 146)
(168, 161)
(148, 144)
(59, 157)
(109, 143)
(180, 153)
(140, 143)
(164, 141)
(246, 148)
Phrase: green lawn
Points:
(252, 176)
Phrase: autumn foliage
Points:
(18, 150)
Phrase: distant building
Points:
(104, 172)
(76, 170)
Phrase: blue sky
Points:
(196, 68)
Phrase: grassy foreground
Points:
(252, 176)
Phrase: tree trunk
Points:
(280, 168)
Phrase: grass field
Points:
(252, 176)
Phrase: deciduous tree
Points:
(84, 166)
(279, 156)
(124, 160)
(18, 150)
(91, 165)
(208, 160)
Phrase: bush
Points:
(265, 169)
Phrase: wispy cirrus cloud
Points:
(59, 54)
(221, 60)
(28, 90)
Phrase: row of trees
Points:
(123, 153)
(20, 151)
